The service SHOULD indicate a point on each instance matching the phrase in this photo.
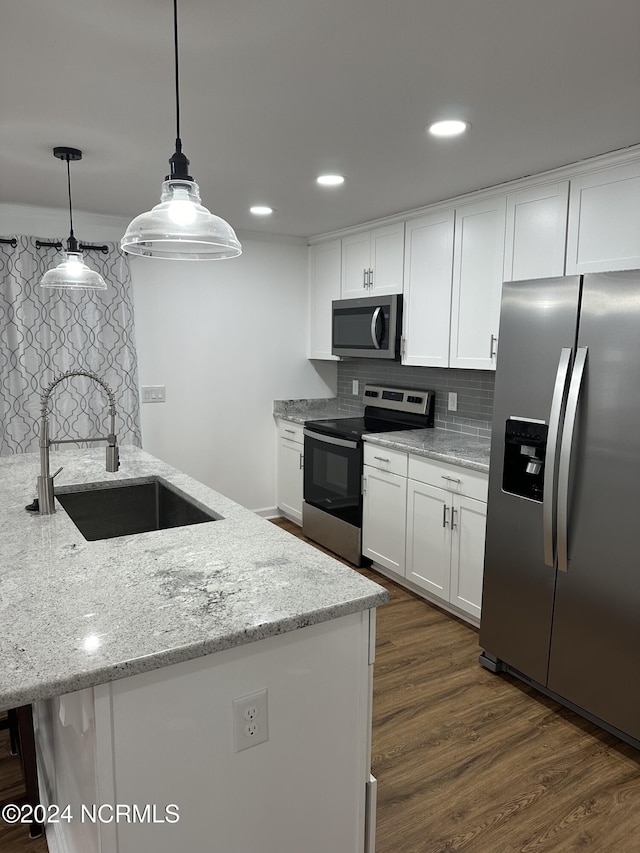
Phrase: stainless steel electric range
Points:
(333, 459)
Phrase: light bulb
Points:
(181, 209)
(73, 266)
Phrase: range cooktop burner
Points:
(356, 427)
(389, 409)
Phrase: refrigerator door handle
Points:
(548, 486)
(565, 457)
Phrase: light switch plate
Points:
(452, 404)
(153, 393)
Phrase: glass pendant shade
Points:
(73, 274)
(180, 228)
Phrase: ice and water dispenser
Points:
(525, 445)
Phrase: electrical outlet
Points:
(153, 393)
(250, 720)
(354, 386)
(452, 404)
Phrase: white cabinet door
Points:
(324, 287)
(469, 518)
(356, 260)
(478, 261)
(373, 262)
(604, 221)
(384, 518)
(536, 232)
(290, 478)
(387, 259)
(428, 271)
(428, 538)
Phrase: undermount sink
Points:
(126, 507)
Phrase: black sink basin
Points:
(121, 508)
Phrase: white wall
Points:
(226, 338)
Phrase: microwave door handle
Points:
(374, 327)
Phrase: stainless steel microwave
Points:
(370, 327)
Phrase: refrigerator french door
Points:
(561, 595)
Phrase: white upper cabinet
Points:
(428, 271)
(478, 260)
(373, 262)
(604, 220)
(536, 232)
(324, 287)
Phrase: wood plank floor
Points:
(466, 760)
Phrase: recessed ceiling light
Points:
(448, 128)
(261, 210)
(330, 180)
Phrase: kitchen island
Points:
(133, 649)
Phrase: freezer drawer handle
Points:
(548, 488)
(565, 456)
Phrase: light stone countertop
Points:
(446, 445)
(442, 444)
(301, 411)
(75, 614)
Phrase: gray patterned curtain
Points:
(46, 331)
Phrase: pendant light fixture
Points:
(180, 228)
(72, 273)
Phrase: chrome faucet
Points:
(45, 480)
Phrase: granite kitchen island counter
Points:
(76, 614)
(186, 668)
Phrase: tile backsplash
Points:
(473, 387)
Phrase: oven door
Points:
(332, 476)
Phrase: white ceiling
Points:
(274, 92)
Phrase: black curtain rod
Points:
(40, 244)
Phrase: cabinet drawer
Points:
(291, 431)
(461, 481)
(394, 461)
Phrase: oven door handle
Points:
(374, 327)
(329, 439)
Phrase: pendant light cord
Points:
(175, 53)
(72, 244)
(179, 163)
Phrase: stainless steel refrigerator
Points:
(561, 595)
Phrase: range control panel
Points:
(399, 399)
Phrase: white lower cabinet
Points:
(428, 538)
(469, 522)
(384, 507)
(383, 518)
(446, 520)
(425, 521)
(290, 470)
(445, 545)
